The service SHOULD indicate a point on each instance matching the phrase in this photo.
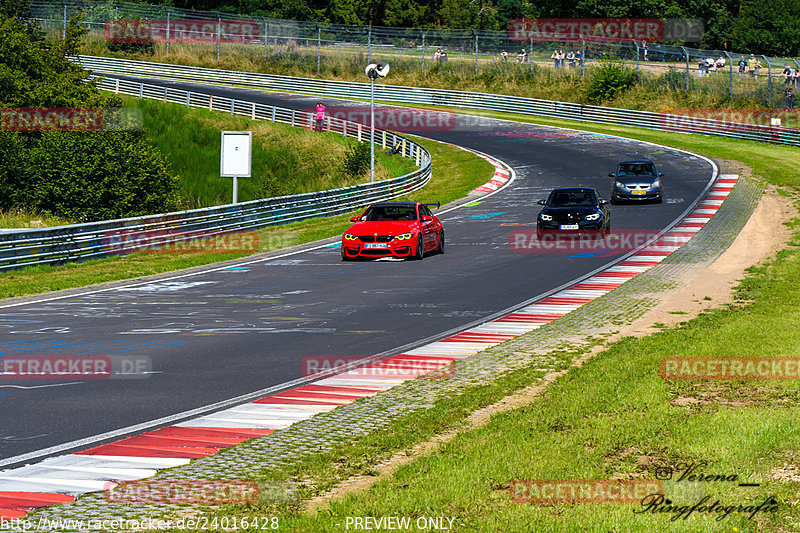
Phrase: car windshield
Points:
(572, 199)
(637, 169)
(390, 212)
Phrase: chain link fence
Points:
(310, 44)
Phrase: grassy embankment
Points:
(613, 417)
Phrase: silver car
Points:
(636, 181)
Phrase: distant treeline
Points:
(770, 27)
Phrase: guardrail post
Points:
(141, 90)
(292, 117)
(232, 104)
(359, 133)
(116, 88)
(686, 55)
(403, 153)
(253, 114)
(319, 46)
(219, 35)
(167, 29)
(419, 155)
(211, 102)
(530, 57)
(423, 50)
(165, 93)
(266, 40)
(188, 101)
(730, 78)
(384, 140)
(475, 33)
(273, 113)
(769, 78)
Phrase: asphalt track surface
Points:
(217, 335)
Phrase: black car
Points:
(636, 180)
(575, 209)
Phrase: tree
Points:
(771, 27)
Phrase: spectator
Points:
(796, 77)
(571, 59)
(443, 56)
(788, 74)
(711, 66)
(562, 58)
(320, 116)
(742, 66)
(504, 56)
(720, 64)
(753, 65)
(555, 58)
(644, 48)
(522, 56)
(788, 94)
(701, 68)
(437, 55)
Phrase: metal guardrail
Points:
(442, 97)
(80, 242)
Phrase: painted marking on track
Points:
(239, 269)
(167, 286)
(473, 204)
(487, 215)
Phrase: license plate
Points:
(373, 245)
(638, 192)
(568, 226)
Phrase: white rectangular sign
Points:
(236, 154)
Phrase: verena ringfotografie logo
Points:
(75, 367)
(727, 121)
(583, 490)
(70, 119)
(181, 30)
(394, 366)
(730, 368)
(394, 118)
(591, 241)
(163, 241)
(609, 30)
(182, 492)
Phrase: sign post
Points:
(235, 157)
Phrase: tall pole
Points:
(476, 50)
(423, 50)
(319, 44)
(369, 43)
(686, 53)
(530, 57)
(266, 38)
(769, 78)
(583, 57)
(219, 35)
(167, 29)
(371, 129)
(730, 77)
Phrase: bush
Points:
(356, 162)
(609, 80)
(86, 176)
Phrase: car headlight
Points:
(404, 236)
(349, 237)
(593, 216)
(656, 184)
(546, 218)
(619, 185)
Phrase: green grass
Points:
(455, 173)
(286, 160)
(21, 218)
(614, 417)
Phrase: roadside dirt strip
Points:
(279, 429)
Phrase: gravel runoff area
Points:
(285, 447)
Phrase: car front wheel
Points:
(420, 253)
(440, 248)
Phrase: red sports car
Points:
(393, 229)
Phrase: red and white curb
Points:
(61, 479)
(500, 177)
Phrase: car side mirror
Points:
(660, 174)
(541, 202)
(354, 219)
(610, 174)
(426, 218)
(603, 202)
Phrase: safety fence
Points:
(80, 242)
(309, 44)
(447, 98)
